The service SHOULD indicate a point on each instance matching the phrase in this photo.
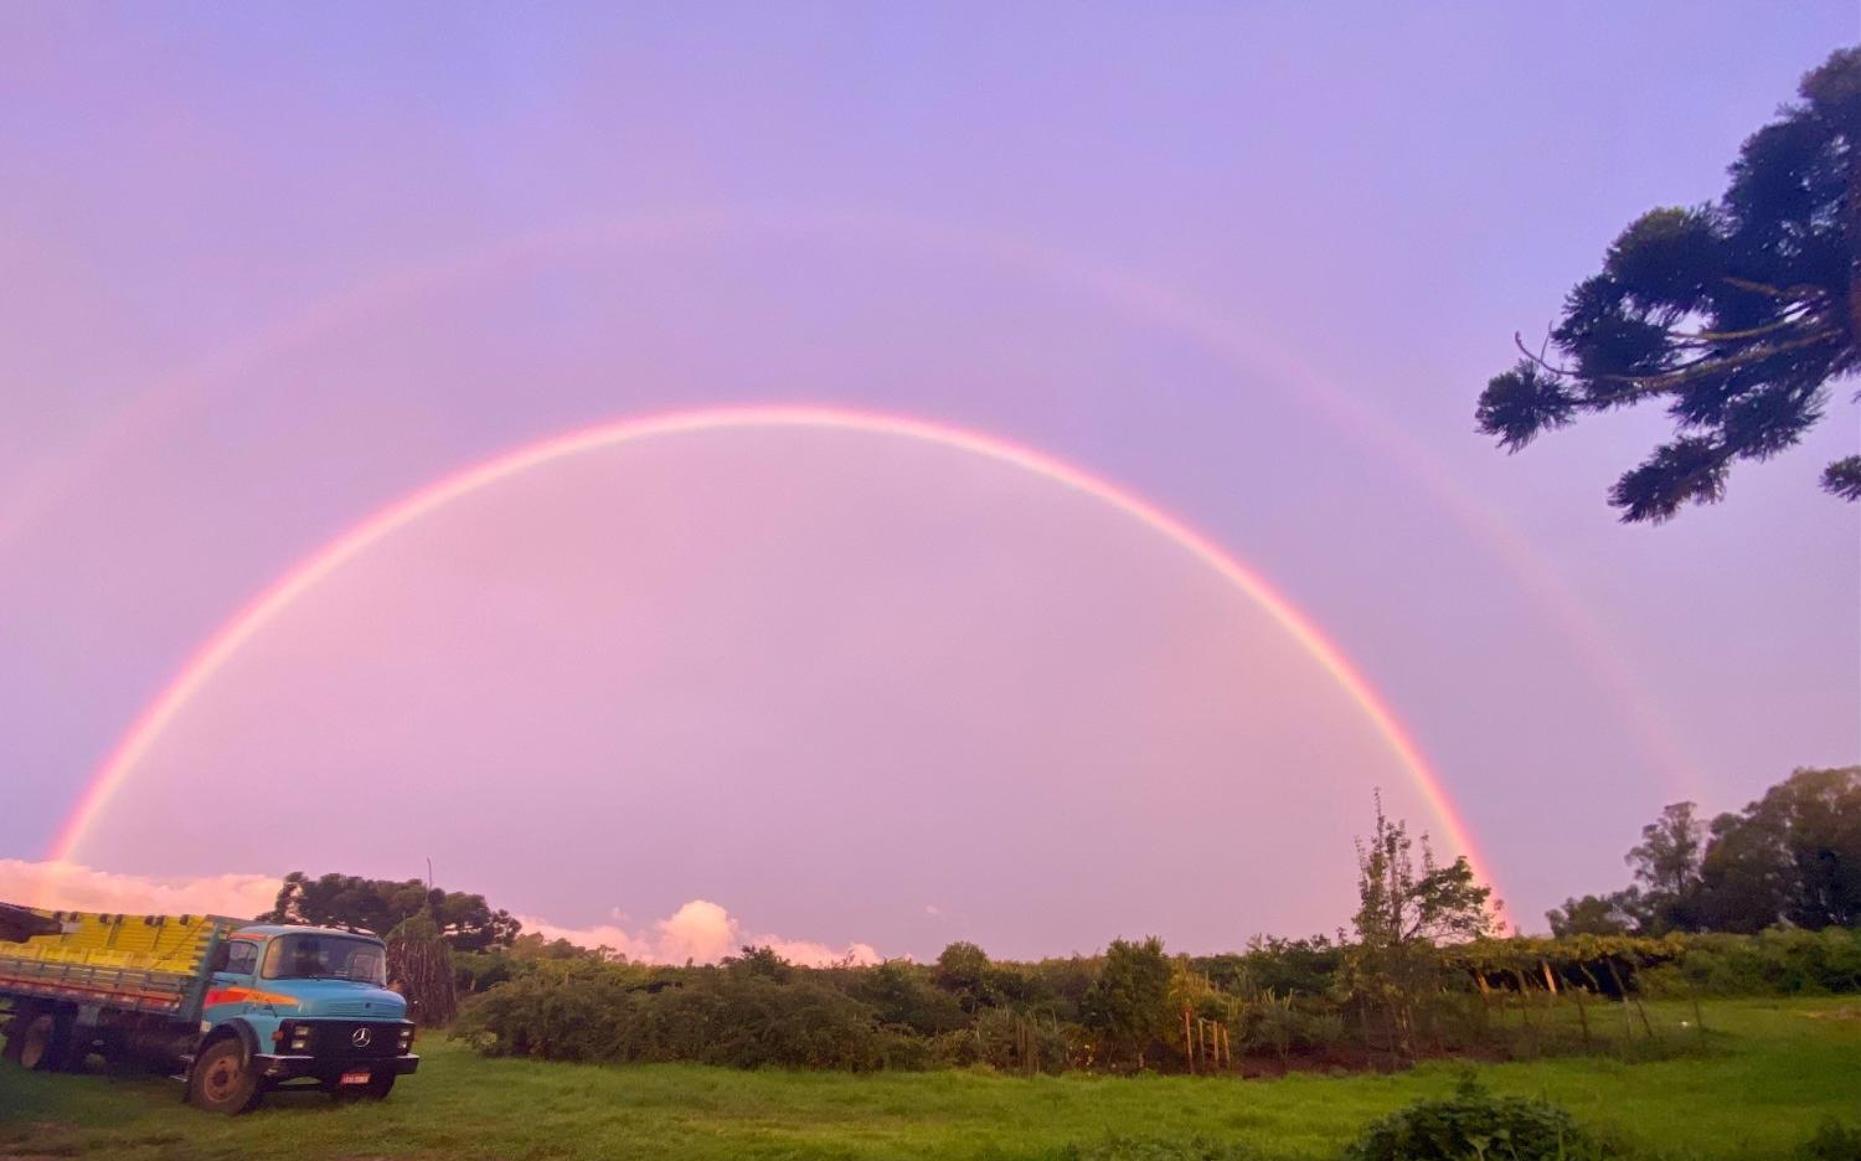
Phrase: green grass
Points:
(1763, 1080)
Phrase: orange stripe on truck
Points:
(248, 996)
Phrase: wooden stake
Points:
(1628, 1026)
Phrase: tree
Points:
(1397, 904)
(1129, 1004)
(1593, 915)
(1666, 864)
(1811, 825)
(1744, 875)
(1403, 911)
(902, 995)
(1793, 856)
(1735, 314)
(963, 970)
(761, 962)
(466, 922)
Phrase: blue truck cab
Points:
(284, 1003)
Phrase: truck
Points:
(232, 1008)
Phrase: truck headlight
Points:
(407, 1037)
(300, 1037)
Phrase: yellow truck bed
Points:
(141, 962)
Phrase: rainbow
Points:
(268, 605)
(1134, 295)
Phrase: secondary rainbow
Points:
(206, 661)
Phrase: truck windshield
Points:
(325, 957)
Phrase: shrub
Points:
(902, 994)
(748, 1014)
(1834, 1141)
(1474, 1124)
(561, 1010)
(750, 1021)
(1284, 1025)
(1012, 1041)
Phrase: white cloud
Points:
(700, 930)
(74, 887)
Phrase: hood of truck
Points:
(341, 998)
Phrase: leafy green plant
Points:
(1834, 1141)
(1474, 1125)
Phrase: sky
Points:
(270, 271)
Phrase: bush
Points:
(1779, 961)
(749, 1014)
(1834, 1141)
(750, 1021)
(1284, 1025)
(1475, 1124)
(561, 1010)
(902, 994)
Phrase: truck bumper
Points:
(279, 1068)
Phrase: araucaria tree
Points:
(1403, 911)
(1736, 315)
(465, 922)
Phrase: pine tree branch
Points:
(1789, 320)
(1666, 381)
(1798, 293)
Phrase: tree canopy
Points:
(1129, 1002)
(465, 922)
(1792, 857)
(1736, 314)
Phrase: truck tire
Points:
(43, 1043)
(221, 1081)
(14, 1030)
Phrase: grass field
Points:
(1769, 1073)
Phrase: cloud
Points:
(700, 931)
(73, 887)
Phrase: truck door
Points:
(231, 992)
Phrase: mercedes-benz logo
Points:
(360, 1037)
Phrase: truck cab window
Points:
(241, 957)
(324, 956)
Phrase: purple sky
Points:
(269, 271)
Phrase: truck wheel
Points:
(15, 1032)
(42, 1044)
(220, 1082)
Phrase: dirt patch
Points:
(38, 1141)
(1836, 1014)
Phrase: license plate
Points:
(360, 1076)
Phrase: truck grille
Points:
(335, 1039)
